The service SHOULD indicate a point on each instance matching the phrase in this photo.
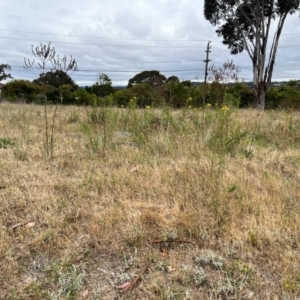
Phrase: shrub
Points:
(21, 89)
(85, 98)
(176, 93)
(285, 97)
(244, 92)
(144, 94)
(123, 97)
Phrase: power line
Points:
(103, 45)
(119, 38)
(116, 71)
(244, 69)
(142, 62)
(103, 38)
(129, 46)
(116, 62)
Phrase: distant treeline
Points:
(146, 89)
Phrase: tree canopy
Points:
(173, 79)
(246, 25)
(3, 74)
(56, 79)
(155, 78)
(103, 87)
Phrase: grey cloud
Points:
(70, 25)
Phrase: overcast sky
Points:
(122, 38)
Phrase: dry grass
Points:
(226, 181)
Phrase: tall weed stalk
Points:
(49, 132)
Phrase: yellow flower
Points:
(189, 107)
(225, 108)
(208, 105)
(148, 107)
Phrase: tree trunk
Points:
(260, 92)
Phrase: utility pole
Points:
(206, 66)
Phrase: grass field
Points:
(149, 204)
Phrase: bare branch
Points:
(225, 73)
(46, 54)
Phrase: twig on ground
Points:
(127, 287)
(156, 241)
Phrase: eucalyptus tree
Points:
(103, 87)
(154, 77)
(3, 74)
(246, 25)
